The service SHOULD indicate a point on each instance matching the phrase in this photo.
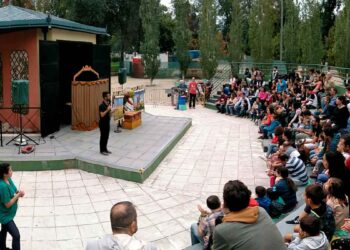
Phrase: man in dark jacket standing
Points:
(104, 123)
(245, 227)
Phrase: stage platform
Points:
(135, 153)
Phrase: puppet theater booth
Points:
(47, 52)
(87, 89)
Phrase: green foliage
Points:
(182, 33)
(330, 43)
(311, 38)
(123, 21)
(291, 38)
(166, 28)
(225, 11)
(263, 18)
(149, 12)
(235, 45)
(209, 45)
(342, 37)
(61, 8)
(89, 12)
(28, 4)
(328, 8)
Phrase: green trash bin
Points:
(122, 76)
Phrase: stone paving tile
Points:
(63, 209)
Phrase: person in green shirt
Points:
(9, 196)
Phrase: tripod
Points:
(19, 109)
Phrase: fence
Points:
(157, 97)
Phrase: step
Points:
(265, 143)
(210, 105)
(194, 247)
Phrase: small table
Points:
(132, 119)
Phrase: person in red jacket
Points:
(192, 89)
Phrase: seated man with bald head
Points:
(124, 226)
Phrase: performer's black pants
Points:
(104, 128)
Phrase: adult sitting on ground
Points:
(296, 169)
(337, 200)
(244, 227)
(315, 206)
(340, 114)
(286, 189)
(221, 103)
(124, 225)
(334, 166)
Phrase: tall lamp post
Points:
(281, 32)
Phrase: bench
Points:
(132, 119)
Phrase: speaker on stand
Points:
(20, 92)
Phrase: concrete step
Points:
(210, 105)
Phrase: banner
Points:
(139, 99)
(118, 107)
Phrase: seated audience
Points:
(337, 200)
(261, 198)
(221, 103)
(340, 113)
(286, 189)
(334, 166)
(310, 236)
(315, 206)
(244, 227)
(203, 229)
(296, 169)
(124, 225)
(277, 204)
(268, 130)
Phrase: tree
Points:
(263, 18)
(207, 38)
(328, 8)
(166, 28)
(225, 12)
(124, 24)
(310, 35)
(60, 8)
(342, 37)
(246, 6)
(149, 12)
(28, 4)
(89, 12)
(182, 33)
(291, 50)
(235, 45)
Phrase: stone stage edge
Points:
(135, 153)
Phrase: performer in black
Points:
(104, 124)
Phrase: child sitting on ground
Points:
(261, 198)
(310, 236)
(277, 203)
(201, 231)
(316, 206)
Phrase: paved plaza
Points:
(63, 209)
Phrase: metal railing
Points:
(157, 97)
